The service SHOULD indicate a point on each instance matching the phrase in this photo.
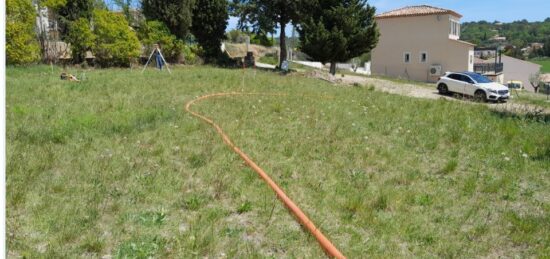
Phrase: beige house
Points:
(420, 43)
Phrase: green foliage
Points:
(546, 48)
(125, 5)
(518, 33)
(156, 32)
(239, 36)
(209, 23)
(365, 57)
(81, 39)
(141, 248)
(116, 44)
(191, 53)
(261, 39)
(246, 206)
(338, 30)
(236, 36)
(72, 11)
(21, 45)
(545, 64)
(176, 14)
(53, 3)
(265, 16)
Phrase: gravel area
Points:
(420, 91)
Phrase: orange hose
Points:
(327, 246)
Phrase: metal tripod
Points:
(161, 56)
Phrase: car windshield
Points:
(479, 78)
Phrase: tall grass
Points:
(114, 166)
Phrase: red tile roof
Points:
(417, 10)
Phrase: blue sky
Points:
(472, 10)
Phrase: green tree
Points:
(116, 44)
(125, 6)
(266, 15)
(156, 32)
(72, 11)
(21, 44)
(81, 39)
(209, 23)
(176, 14)
(236, 36)
(546, 47)
(337, 31)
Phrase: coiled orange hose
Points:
(327, 246)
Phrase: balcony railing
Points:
(488, 68)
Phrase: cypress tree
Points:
(209, 23)
(176, 14)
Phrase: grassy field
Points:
(114, 166)
(545, 63)
(271, 59)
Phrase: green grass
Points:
(114, 166)
(524, 97)
(269, 59)
(544, 62)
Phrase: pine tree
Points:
(176, 14)
(209, 23)
(336, 31)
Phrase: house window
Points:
(471, 59)
(423, 57)
(407, 57)
(455, 28)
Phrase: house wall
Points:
(416, 34)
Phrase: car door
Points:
(469, 85)
(455, 83)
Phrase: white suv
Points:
(472, 84)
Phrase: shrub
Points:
(236, 36)
(261, 39)
(116, 43)
(153, 32)
(191, 54)
(21, 45)
(81, 39)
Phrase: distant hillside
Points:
(518, 33)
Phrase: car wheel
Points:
(480, 96)
(442, 88)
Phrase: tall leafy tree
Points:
(176, 14)
(336, 31)
(21, 44)
(81, 38)
(209, 23)
(72, 11)
(125, 6)
(264, 16)
(115, 43)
